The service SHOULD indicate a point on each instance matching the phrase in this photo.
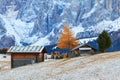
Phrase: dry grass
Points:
(95, 66)
(91, 59)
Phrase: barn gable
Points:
(83, 49)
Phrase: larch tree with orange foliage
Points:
(67, 40)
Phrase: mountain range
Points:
(40, 22)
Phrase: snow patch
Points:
(105, 25)
(41, 42)
(77, 29)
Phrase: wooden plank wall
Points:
(24, 55)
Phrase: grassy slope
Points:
(104, 66)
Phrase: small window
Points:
(4, 56)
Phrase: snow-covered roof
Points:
(26, 49)
(80, 47)
(86, 48)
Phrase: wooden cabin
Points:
(84, 50)
(21, 55)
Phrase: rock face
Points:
(7, 41)
(31, 21)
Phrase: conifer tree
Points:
(104, 41)
(67, 40)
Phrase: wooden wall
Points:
(23, 55)
(19, 59)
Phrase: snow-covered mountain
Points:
(39, 22)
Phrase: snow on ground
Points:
(87, 39)
(106, 25)
(104, 66)
(77, 29)
(42, 41)
(91, 12)
(16, 27)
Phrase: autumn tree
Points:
(104, 41)
(67, 40)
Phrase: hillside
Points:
(98, 67)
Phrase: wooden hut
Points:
(84, 49)
(21, 55)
